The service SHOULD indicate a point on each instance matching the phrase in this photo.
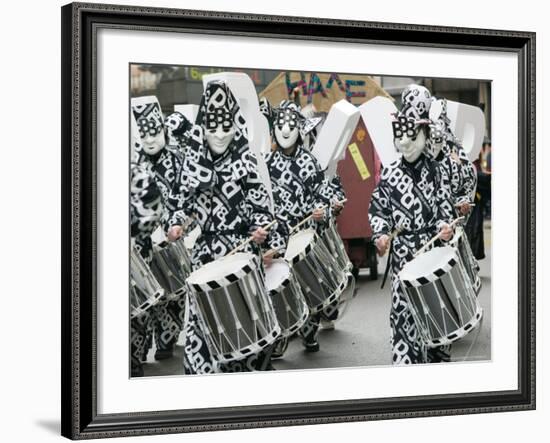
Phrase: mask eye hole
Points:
(219, 117)
(287, 117)
(148, 127)
(406, 126)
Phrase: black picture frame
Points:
(79, 211)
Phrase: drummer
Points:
(298, 181)
(414, 196)
(226, 197)
(161, 148)
(443, 146)
(145, 214)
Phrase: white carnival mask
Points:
(150, 124)
(286, 128)
(409, 138)
(220, 128)
(411, 148)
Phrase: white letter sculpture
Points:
(335, 135)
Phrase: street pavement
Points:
(362, 335)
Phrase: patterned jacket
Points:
(414, 197)
(298, 183)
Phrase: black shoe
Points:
(137, 371)
(311, 346)
(163, 354)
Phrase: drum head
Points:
(428, 263)
(221, 268)
(276, 274)
(298, 243)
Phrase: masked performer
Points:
(413, 195)
(228, 200)
(145, 214)
(298, 182)
(166, 160)
(443, 146)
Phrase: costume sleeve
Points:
(258, 207)
(469, 175)
(380, 210)
(320, 190)
(145, 208)
(180, 201)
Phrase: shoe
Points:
(327, 324)
(164, 354)
(311, 346)
(137, 371)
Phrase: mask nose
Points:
(219, 133)
(286, 130)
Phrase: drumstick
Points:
(305, 220)
(249, 239)
(270, 252)
(394, 234)
(437, 237)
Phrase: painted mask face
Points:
(409, 138)
(286, 128)
(149, 124)
(219, 125)
(152, 135)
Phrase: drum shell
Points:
(335, 246)
(238, 318)
(320, 277)
(445, 308)
(171, 266)
(290, 305)
(462, 245)
(145, 291)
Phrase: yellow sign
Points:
(359, 162)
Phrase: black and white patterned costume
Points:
(300, 186)
(416, 198)
(177, 130)
(166, 165)
(447, 150)
(145, 214)
(298, 182)
(225, 195)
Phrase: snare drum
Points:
(462, 245)
(145, 291)
(287, 298)
(321, 278)
(336, 247)
(171, 265)
(234, 308)
(441, 298)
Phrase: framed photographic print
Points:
(272, 221)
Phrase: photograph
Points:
(276, 220)
(298, 220)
